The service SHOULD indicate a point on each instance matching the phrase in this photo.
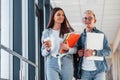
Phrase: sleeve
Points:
(72, 50)
(43, 50)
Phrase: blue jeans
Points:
(53, 71)
(93, 75)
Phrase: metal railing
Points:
(21, 59)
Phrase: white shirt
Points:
(88, 65)
(55, 40)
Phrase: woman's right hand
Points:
(80, 52)
(47, 45)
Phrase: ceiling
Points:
(107, 14)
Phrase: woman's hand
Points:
(47, 45)
(64, 46)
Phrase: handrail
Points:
(17, 55)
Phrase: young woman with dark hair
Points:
(59, 66)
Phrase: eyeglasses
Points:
(85, 18)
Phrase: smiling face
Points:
(59, 17)
(89, 20)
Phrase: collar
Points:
(94, 29)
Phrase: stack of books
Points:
(71, 39)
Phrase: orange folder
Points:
(71, 38)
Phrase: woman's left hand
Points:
(64, 45)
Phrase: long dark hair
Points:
(65, 26)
